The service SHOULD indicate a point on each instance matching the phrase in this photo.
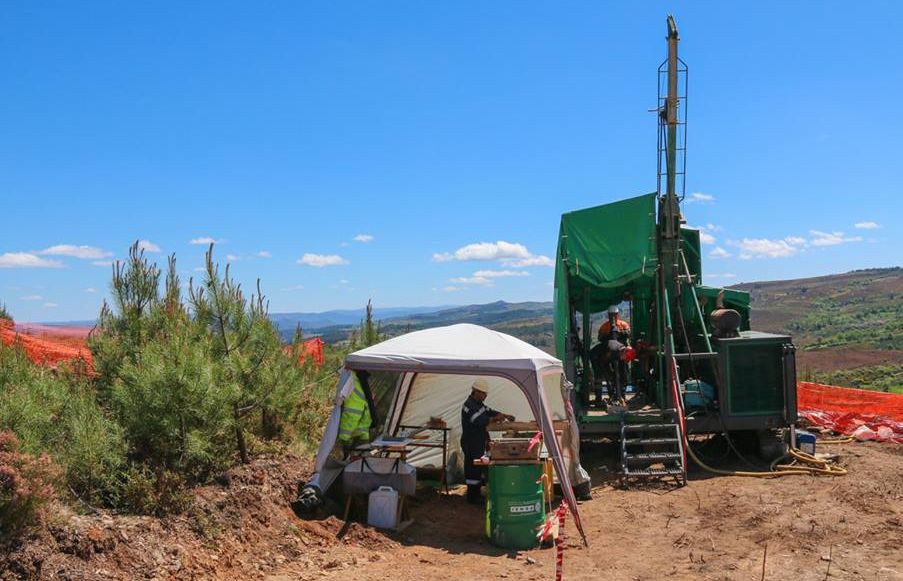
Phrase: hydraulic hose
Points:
(772, 474)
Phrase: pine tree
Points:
(369, 332)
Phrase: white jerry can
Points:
(382, 508)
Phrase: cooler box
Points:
(515, 508)
(365, 475)
(805, 442)
(697, 394)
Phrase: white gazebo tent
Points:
(436, 370)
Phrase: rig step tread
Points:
(641, 427)
(654, 472)
(654, 457)
(639, 441)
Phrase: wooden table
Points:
(443, 478)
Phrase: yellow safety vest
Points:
(355, 421)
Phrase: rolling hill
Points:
(848, 327)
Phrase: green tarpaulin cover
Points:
(602, 252)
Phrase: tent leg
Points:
(347, 508)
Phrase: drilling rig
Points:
(687, 361)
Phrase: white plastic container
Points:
(382, 508)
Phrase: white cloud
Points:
(537, 260)
(510, 254)
(450, 289)
(486, 277)
(265, 254)
(831, 238)
(50, 305)
(320, 260)
(706, 238)
(90, 289)
(795, 240)
(765, 248)
(294, 287)
(471, 280)
(719, 252)
(343, 281)
(148, 246)
(206, 240)
(700, 197)
(705, 232)
(232, 257)
(363, 238)
(867, 225)
(722, 275)
(102, 263)
(33, 298)
(500, 273)
(83, 252)
(199, 269)
(26, 260)
(486, 251)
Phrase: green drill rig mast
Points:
(691, 338)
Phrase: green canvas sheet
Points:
(609, 246)
(602, 252)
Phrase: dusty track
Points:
(715, 528)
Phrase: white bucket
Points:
(382, 508)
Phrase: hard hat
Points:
(481, 385)
(614, 309)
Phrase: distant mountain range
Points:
(288, 322)
(531, 321)
(848, 327)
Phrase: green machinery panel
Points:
(753, 365)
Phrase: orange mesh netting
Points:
(863, 414)
(310, 348)
(46, 346)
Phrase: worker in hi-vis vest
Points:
(355, 421)
(475, 419)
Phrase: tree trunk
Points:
(267, 424)
(240, 436)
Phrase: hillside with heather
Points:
(848, 327)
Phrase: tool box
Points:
(510, 449)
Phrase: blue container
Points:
(805, 442)
(697, 394)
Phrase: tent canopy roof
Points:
(465, 347)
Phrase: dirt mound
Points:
(46, 345)
(714, 528)
(241, 528)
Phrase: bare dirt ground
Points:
(849, 358)
(714, 528)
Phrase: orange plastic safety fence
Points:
(46, 349)
(829, 398)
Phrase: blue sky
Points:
(285, 129)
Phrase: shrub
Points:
(26, 486)
(57, 413)
(175, 410)
(194, 382)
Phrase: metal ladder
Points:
(653, 449)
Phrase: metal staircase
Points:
(652, 449)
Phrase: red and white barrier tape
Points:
(546, 530)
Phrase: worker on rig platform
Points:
(475, 419)
(610, 355)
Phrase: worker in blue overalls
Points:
(475, 419)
